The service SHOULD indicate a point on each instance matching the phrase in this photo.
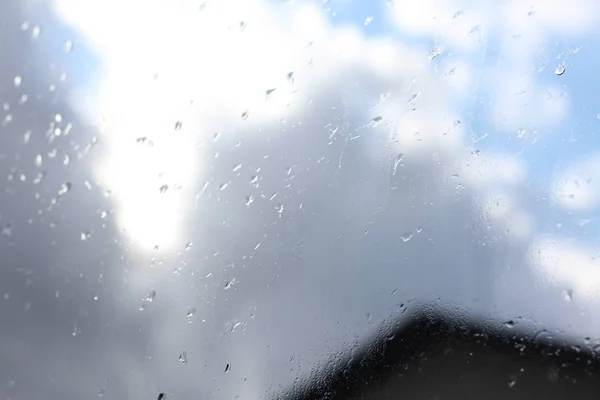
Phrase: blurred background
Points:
(215, 199)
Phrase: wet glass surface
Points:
(219, 198)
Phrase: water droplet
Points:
(254, 180)
(7, 230)
(35, 32)
(509, 324)
(64, 189)
(223, 186)
(279, 209)
(66, 159)
(163, 189)
(560, 69)
(249, 200)
(85, 236)
(290, 77)
(229, 284)
(406, 236)
(183, 357)
(242, 25)
(568, 295)
(188, 246)
(227, 368)
(269, 92)
(190, 314)
(18, 81)
(237, 167)
(69, 46)
(512, 382)
(161, 396)
(245, 115)
(433, 54)
(178, 125)
(58, 118)
(151, 296)
(398, 162)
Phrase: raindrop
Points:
(58, 118)
(178, 125)
(409, 235)
(18, 81)
(242, 25)
(279, 209)
(190, 314)
(254, 179)
(64, 189)
(7, 230)
(245, 115)
(227, 368)
(433, 54)
(398, 162)
(512, 382)
(229, 284)
(249, 200)
(568, 295)
(66, 159)
(368, 20)
(269, 92)
(183, 357)
(216, 136)
(290, 77)
(38, 160)
(561, 69)
(101, 392)
(237, 167)
(223, 186)
(509, 324)
(188, 246)
(163, 189)
(151, 296)
(161, 396)
(69, 46)
(35, 32)
(376, 120)
(85, 235)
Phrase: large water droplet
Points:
(183, 357)
(151, 296)
(64, 189)
(560, 69)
